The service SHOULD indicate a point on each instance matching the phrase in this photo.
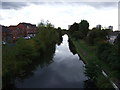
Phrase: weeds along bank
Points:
(24, 53)
(92, 70)
(97, 52)
(97, 58)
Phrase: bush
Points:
(25, 49)
(96, 36)
(92, 70)
(103, 51)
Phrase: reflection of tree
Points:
(27, 55)
(60, 40)
(44, 60)
(89, 84)
(72, 47)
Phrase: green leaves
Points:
(92, 70)
(25, 48)
(79, 31)
(84, 27)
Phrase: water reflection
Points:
(72, 47)
(65, 70)
(60, 40)
(44, 60)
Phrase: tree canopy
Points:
(84, 27)
(79, 30)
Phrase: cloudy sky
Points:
(60, 14)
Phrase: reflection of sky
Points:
(66, 71)
(66, 64)
(62, 51)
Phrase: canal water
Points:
(65, 71)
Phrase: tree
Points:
(84, 27)
(74, 27)
(74, 31)
(91, 37)
(49, 25)
(92, 70)
(103, 51)
(114, 57)
(96, 36)
(25, 49)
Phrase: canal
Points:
(65, 70)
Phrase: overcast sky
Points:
(60, 14)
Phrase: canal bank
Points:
(87, 53)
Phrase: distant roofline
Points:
(12, 26)
(27, 23)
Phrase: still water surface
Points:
(66, 71)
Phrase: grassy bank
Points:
(88, 55)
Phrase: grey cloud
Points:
(102, 4)
(18, 5)
(92, 4)
(95, 4)
(12, 5)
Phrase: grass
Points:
(88, 54)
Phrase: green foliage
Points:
(103, 82)
(74, 27)
(92, 70)
(47, 37)
(60, 33)
(25, 52)
(84, 27)
(8, 57)
(110, 54)
(25, 48)
(103, 51)
(59, 30)
(114, 61)
(95, 36)
(117, 40)
(91, 37)
(79, 31)
(117, 44)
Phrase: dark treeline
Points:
(104, 50)
(79, 30)
(20, 59)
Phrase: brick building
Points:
(23, 30)
(27, 29)
(13, 32)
